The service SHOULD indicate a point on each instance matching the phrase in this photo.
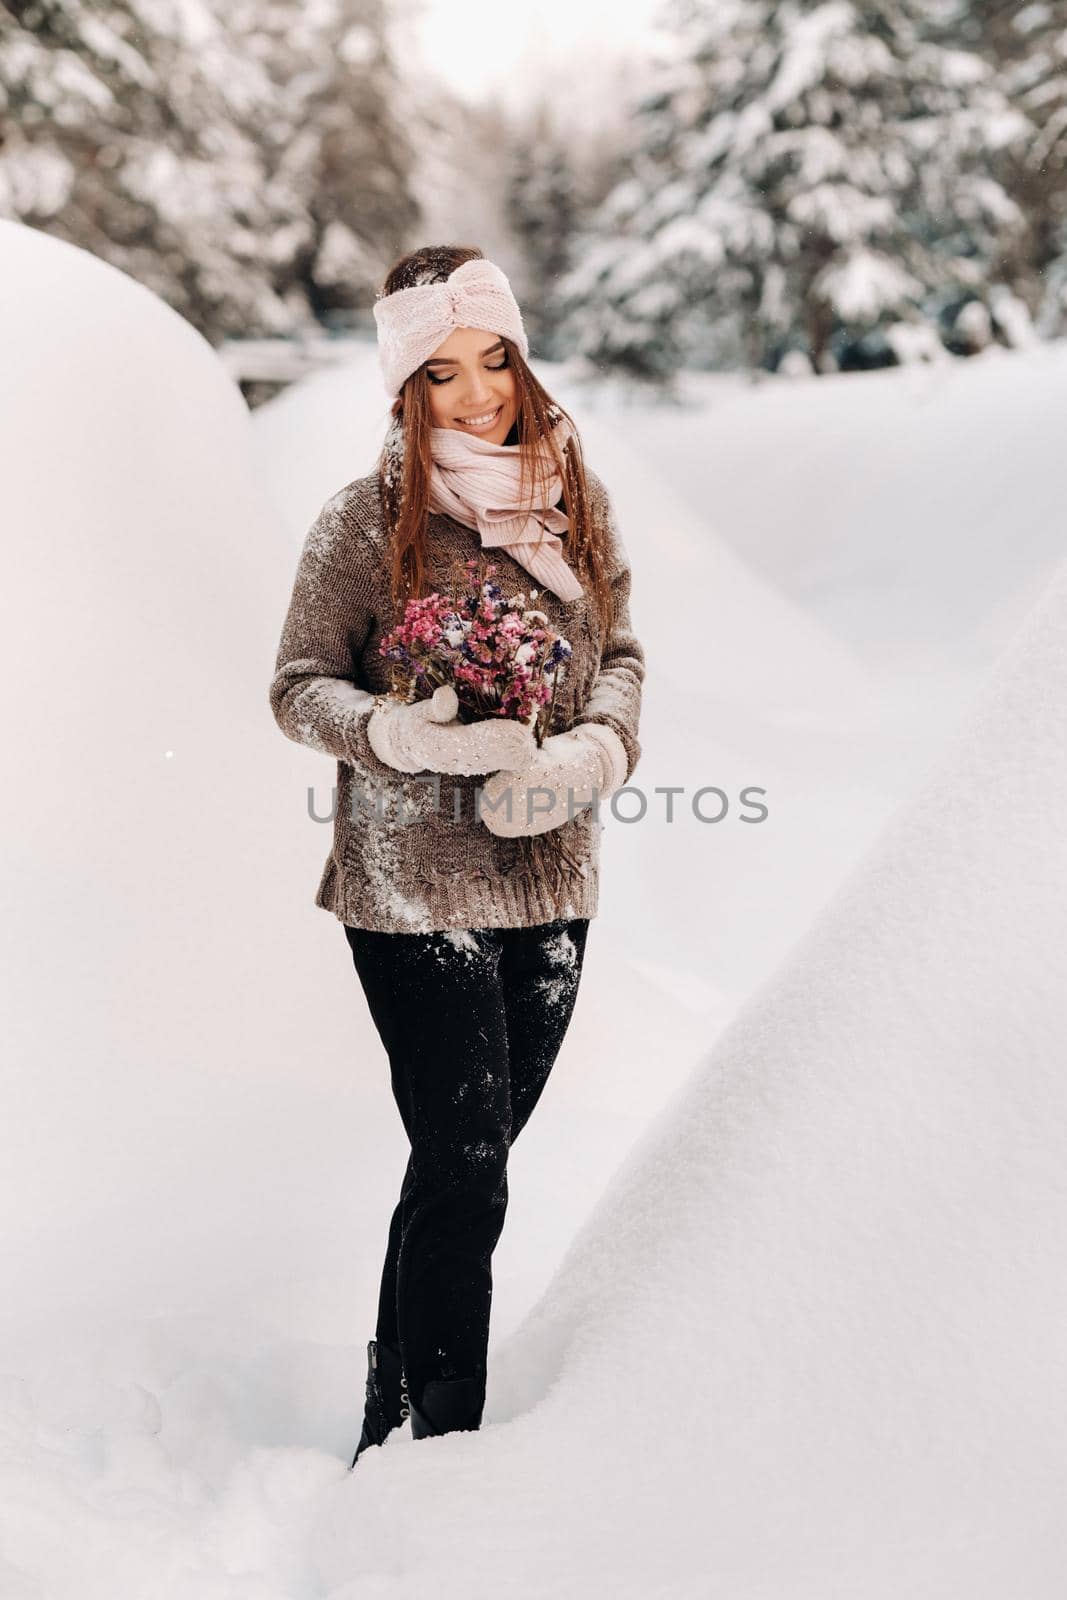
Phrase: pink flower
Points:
(501, 659)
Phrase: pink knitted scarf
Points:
(477, 482)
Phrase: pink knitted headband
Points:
(413, 322)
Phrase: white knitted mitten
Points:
(424, 736)
(558, 782)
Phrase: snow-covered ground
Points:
(777, 1305)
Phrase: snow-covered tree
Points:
(805, 176)
(1027, 44)
(238, 160)
(544, 201)
(337, 155)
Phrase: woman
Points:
(465, 859)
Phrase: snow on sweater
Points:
(444, 869)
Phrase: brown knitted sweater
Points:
(444, 869)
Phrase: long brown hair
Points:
(405, 463)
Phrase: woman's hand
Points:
(564, 775)
(425, 736)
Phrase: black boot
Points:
(448, 1405)
(386, 1406)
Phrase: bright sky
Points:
(479, 46)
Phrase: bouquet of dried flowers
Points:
(498, 654)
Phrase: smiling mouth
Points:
(483, 421)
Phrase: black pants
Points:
(472, 1022)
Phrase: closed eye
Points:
(432, 379)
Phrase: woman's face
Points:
(470, 378)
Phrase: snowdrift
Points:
(915, 513)
(164, 1050)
